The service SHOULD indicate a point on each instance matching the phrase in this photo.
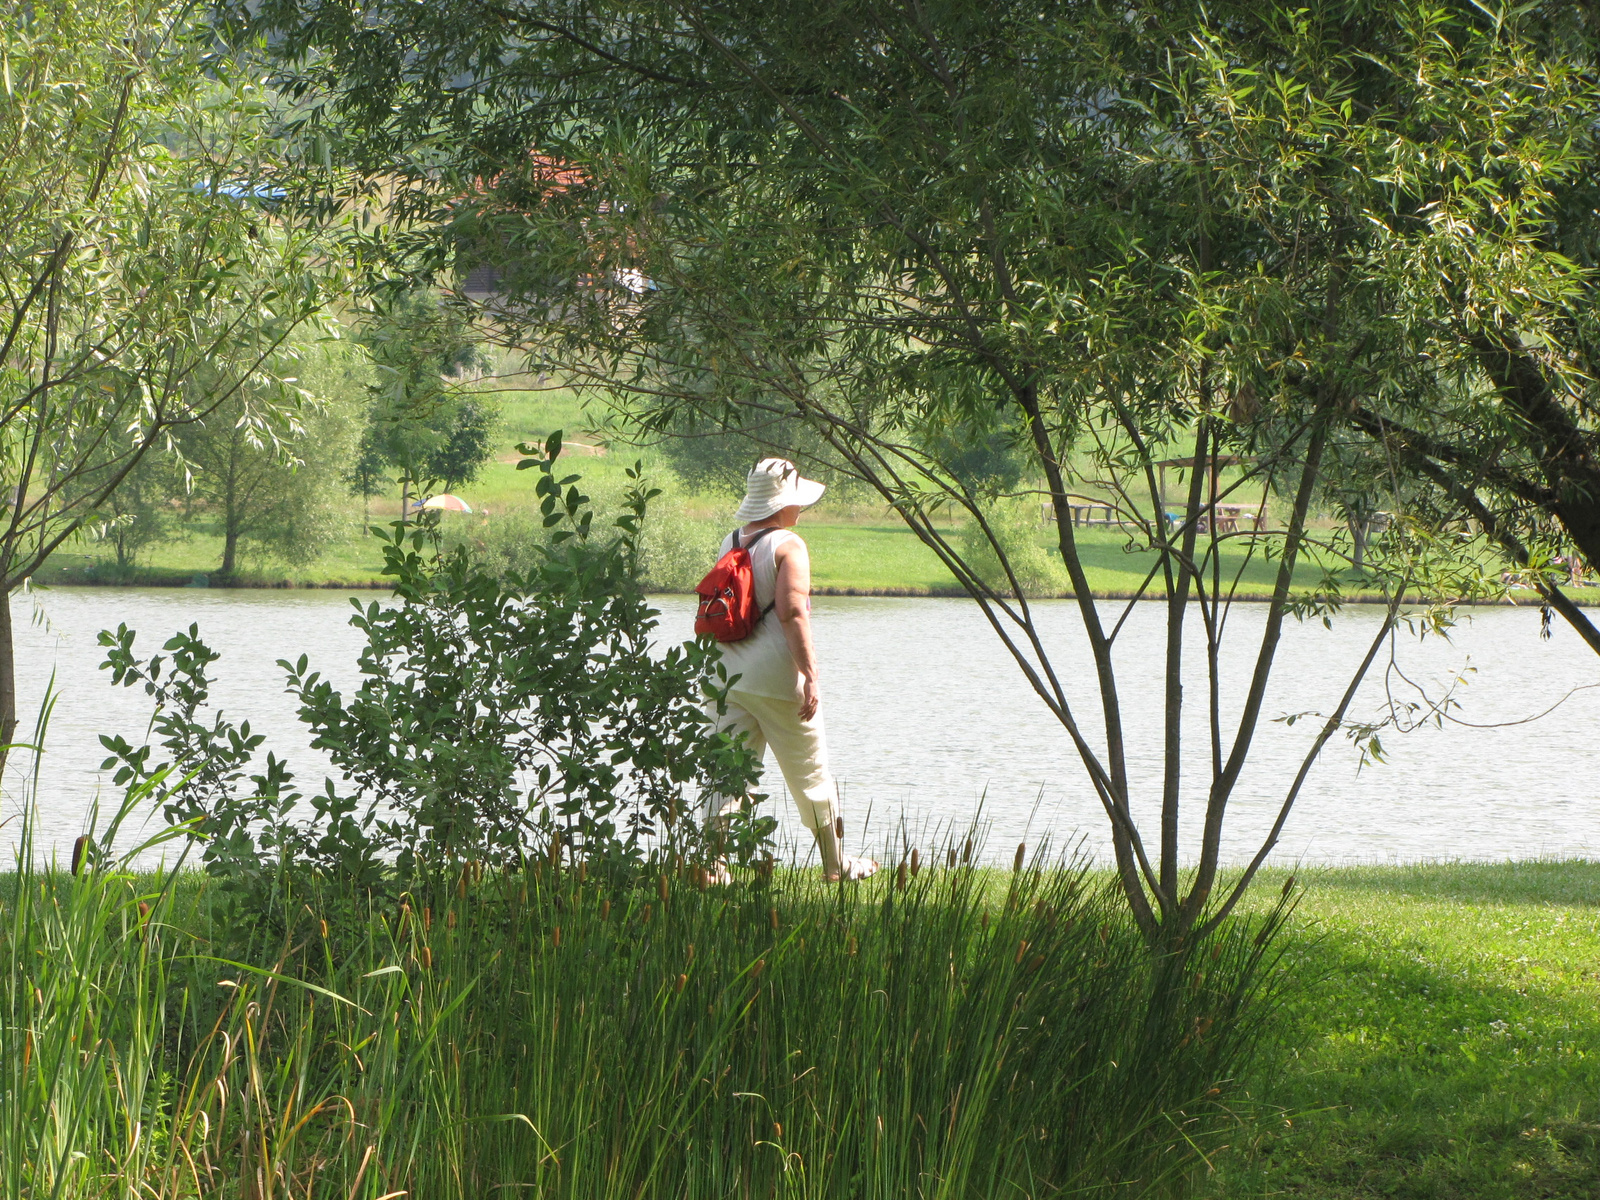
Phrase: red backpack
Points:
(728, 595)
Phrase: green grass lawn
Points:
(846, 555)
(1442, 1041)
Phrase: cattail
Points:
(1288, 886)
(555, 937)
(900, 878)
(425, 955)
(605, 909)
(450, 919)
(1022, 849)
(777, 1131)
(522, 895)
(773, 916)
(682, 979)
(324, 923)
(702, 879)
(966, 852)
(27, 1049)
(555, 849)
(761, 965)
(1216, 952)
(405, 915)
(461, 884)
(672, 811)
(427, 919)
(916, 863)
(952, 858)
(661, 888)
(1035, 963)
(838, 828)
(645, 916)
(583, 871)
(80, 852)
(985, 920)
(689, 954)
(852, 946)
(1022, 948)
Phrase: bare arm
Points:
(794, 615)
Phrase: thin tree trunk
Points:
(8, 683)
(230, 549)
(1358, 540)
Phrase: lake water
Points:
(931, 725)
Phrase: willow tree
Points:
(1489, 223)
(136, 259)
(1109, 235)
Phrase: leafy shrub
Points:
(501, 715)
(674, 551)
(1015, 525)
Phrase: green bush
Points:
(674, 551)
(502, 716)
(1016, 526)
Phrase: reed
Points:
(594, 1042)
(957, 1033)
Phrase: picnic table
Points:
(1225, 516)
(1085, 510)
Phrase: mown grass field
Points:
(1442, 1041)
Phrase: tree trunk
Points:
(1358, 540)
(231, 517)
(8, 683)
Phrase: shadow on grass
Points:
(1454, 1057)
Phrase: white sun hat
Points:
(774, 484)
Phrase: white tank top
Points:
(762, 661)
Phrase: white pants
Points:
(799, 746)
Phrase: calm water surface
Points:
(931, 724)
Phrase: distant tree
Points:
(422, 424)
(271, 487)
(467, 442)
(135, 249)
(714, 456)
(141, 512)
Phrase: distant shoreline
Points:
(1527, 600)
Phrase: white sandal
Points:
(853, 870)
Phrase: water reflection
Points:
(929, 719)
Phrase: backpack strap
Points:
(759, 534)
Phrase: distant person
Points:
(776, 699)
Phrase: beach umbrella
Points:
(447, 502)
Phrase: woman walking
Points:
(775, 700)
